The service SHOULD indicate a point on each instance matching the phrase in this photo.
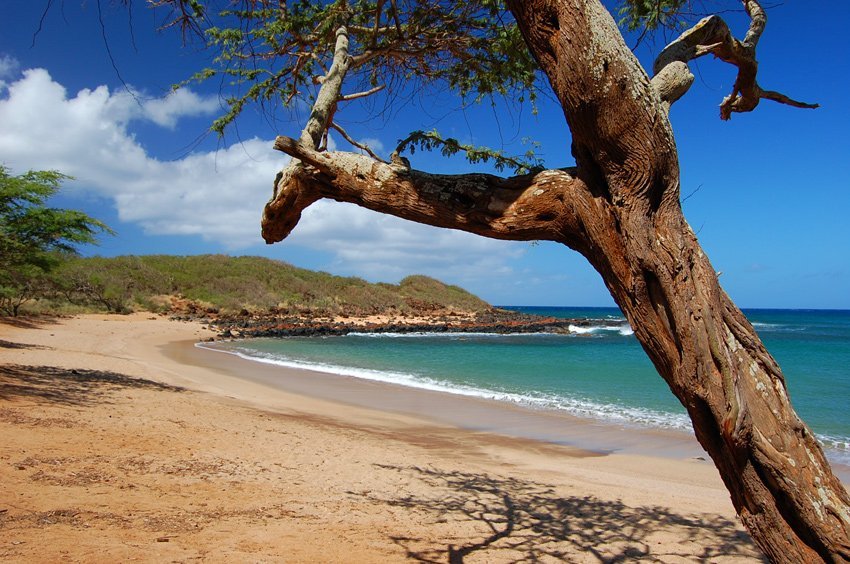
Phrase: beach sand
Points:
(123, 442)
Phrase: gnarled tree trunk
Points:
(620, 209)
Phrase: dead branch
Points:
(356, 95)
(712, 35)
(357, 144)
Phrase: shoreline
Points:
(115, 450)
(465, 412)
(469, 413)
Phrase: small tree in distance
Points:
(34, 237)
(619, 206)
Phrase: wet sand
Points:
(122, 441)
(465, 412)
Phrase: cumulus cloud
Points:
(216, 195)
(212, 194)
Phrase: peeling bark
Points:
(620, 208)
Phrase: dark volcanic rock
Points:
(494, 320)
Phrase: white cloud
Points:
(179, 103)
(382, 247)
(8, 67)
(213, 194)
(217, 195)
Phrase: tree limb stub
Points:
(356, 95)
(712, 35)
(523, 208)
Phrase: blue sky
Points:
(769, 191)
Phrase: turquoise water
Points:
(600, 373)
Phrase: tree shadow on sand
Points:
(19, 346)
(517, 520)
(68, 386)
(39, 322)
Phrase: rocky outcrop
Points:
(246, 325)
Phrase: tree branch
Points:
(530, 207)
(672, 82)
(396, 18)
(712, 35)
(758, 21)
(783, 99)
(360, 146)
(379, 8)
(349, 97)
(328, 95)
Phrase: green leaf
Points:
(431, 140)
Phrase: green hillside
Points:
(230, 284)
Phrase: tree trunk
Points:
(700, 343)
(620, 208)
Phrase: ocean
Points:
(598, 372)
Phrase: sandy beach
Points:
(124, 442)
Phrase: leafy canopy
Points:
(32, 235)
(276, 53)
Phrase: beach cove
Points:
(124, 441)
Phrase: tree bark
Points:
(701, 344)
(529, 207)
(620, 208)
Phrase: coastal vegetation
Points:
(220, 284)
(41, 272)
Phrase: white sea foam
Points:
(777, 327)
(623, 329)
(837, 449)
(579, 407)
(440, 335)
